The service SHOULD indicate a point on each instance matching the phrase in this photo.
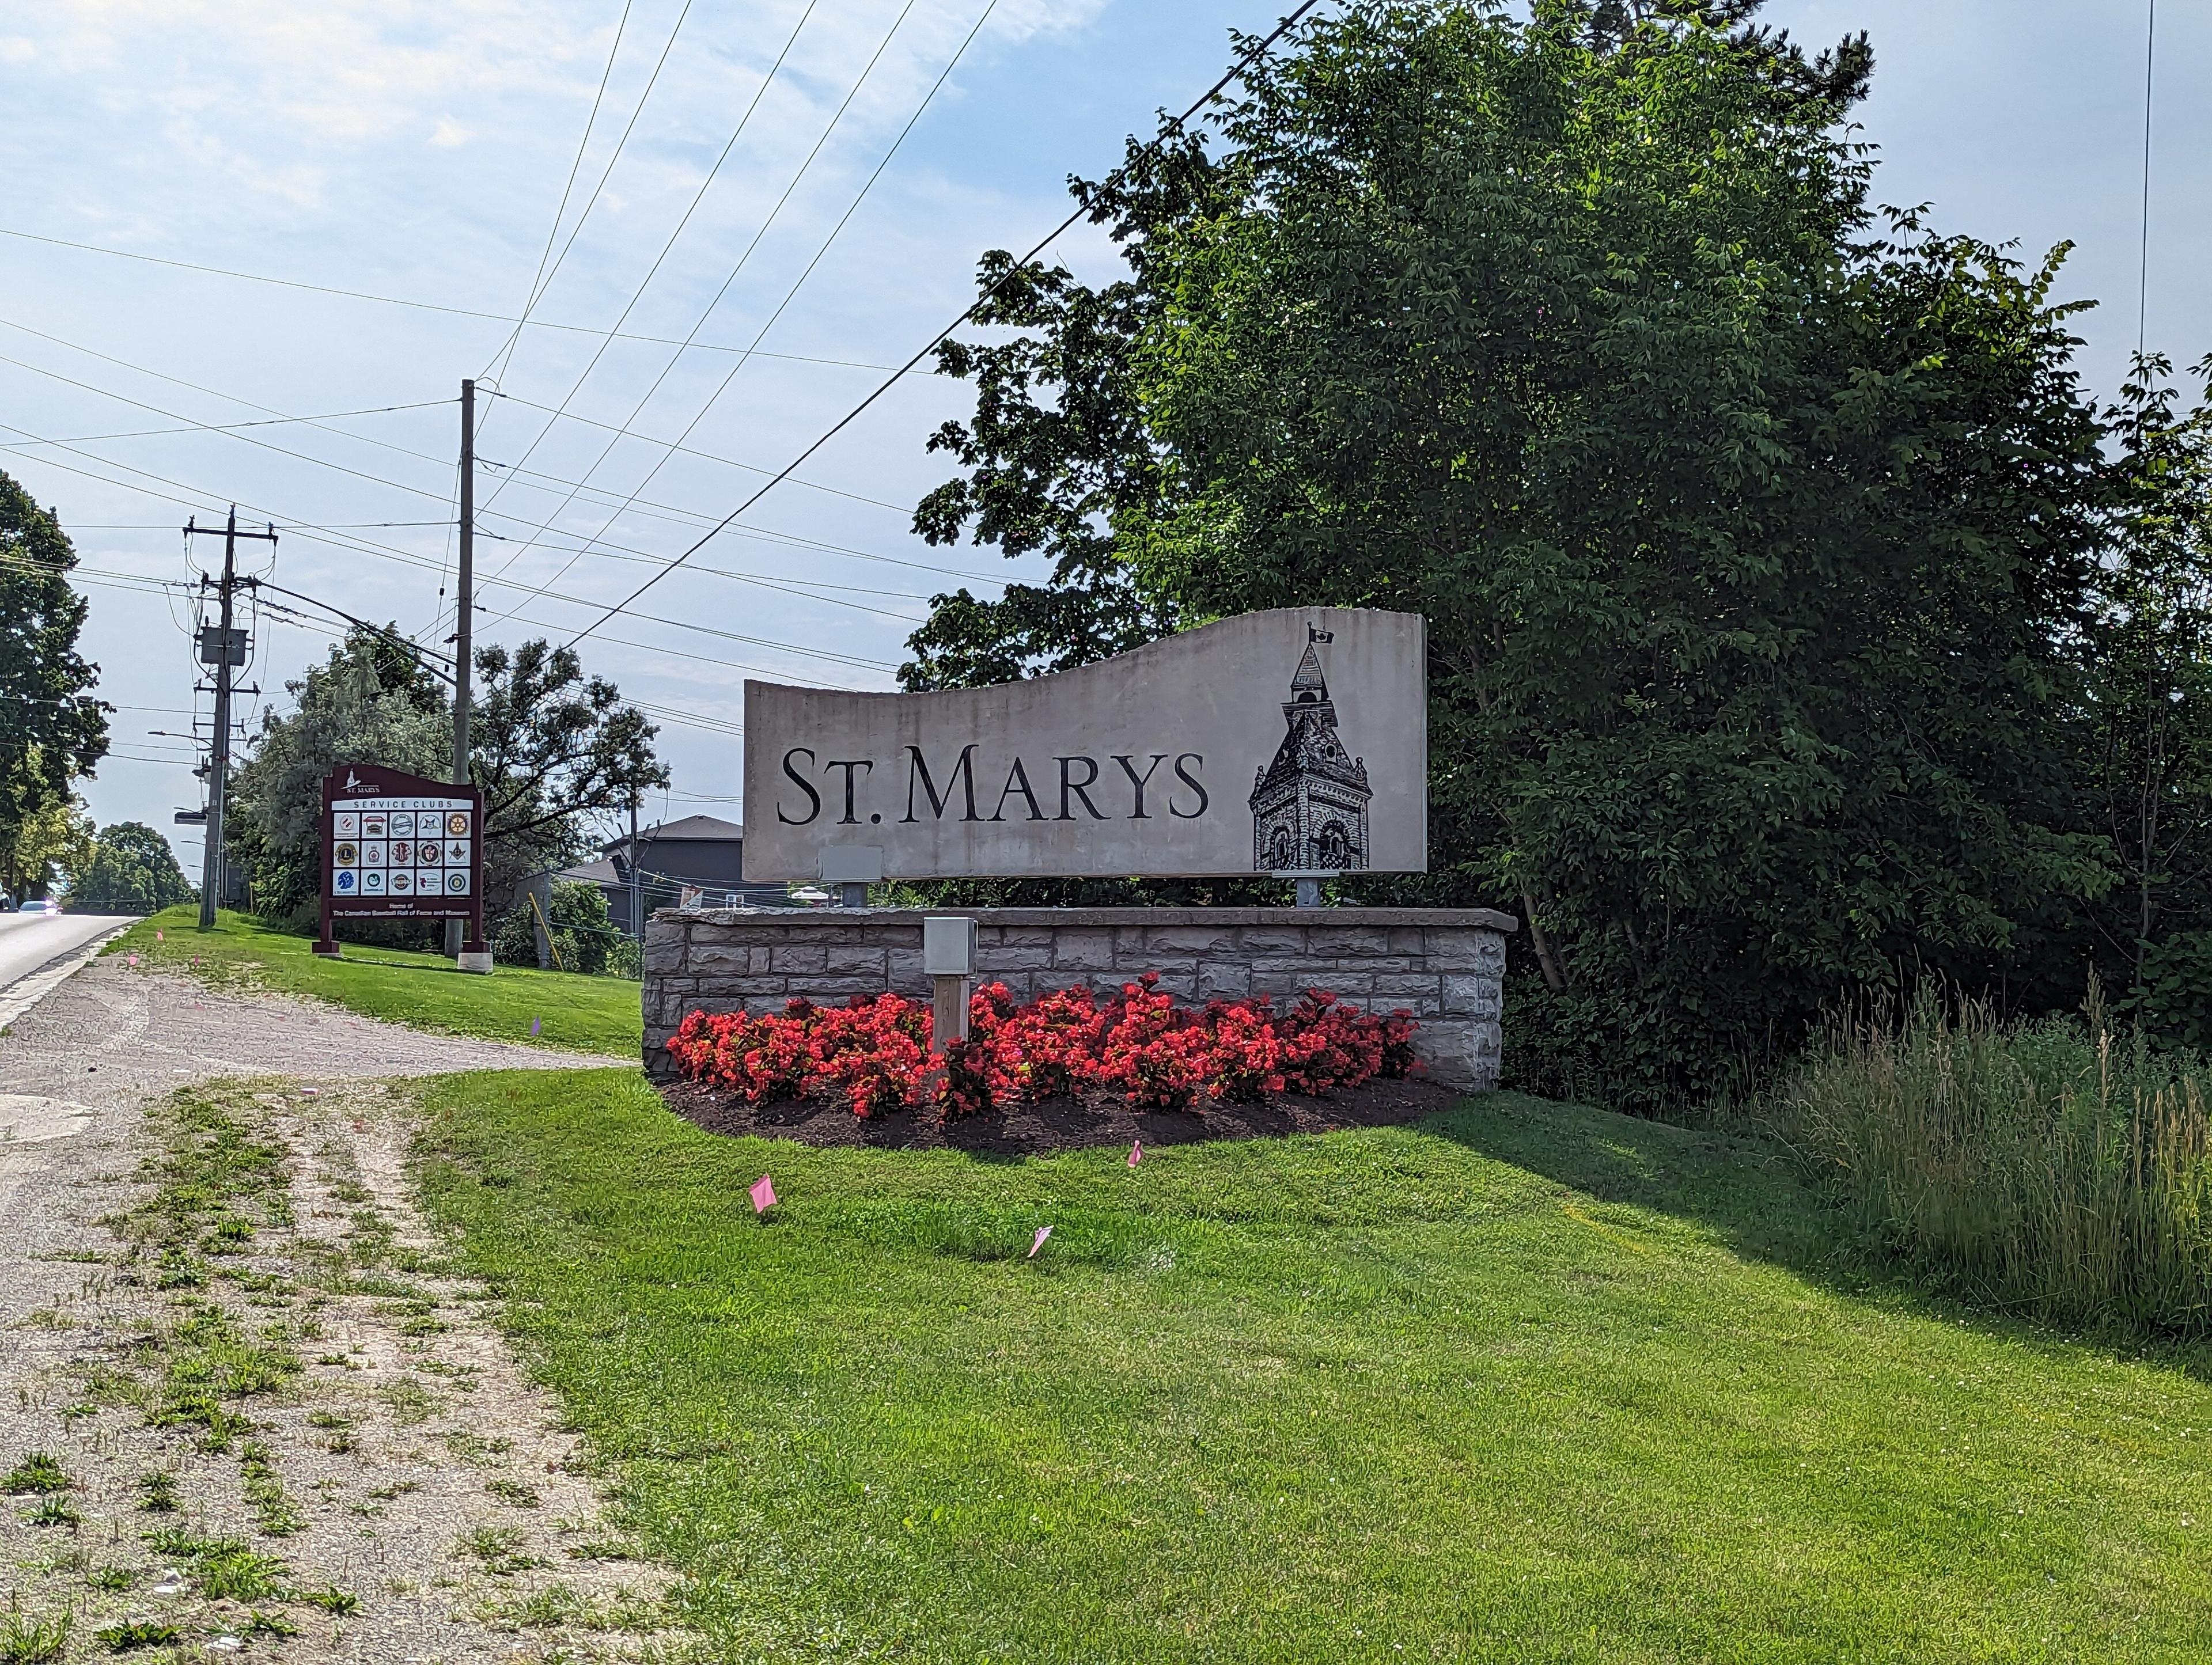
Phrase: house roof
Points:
(697, 828)
(593, 872)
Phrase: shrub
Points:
(878, 1049)
(584, 935)
(2050, 1168)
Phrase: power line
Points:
(639, 294)
(423, 306)
(529, 303)
(705, 456)
(698, 197)
(553, 482)
(228, 431)
(653, 80)
(384, 551)
(742, 578)
(761, 335)
(850, 416)
(148, 525)
(670, 511)
(228, 427)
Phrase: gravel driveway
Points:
(397, 1455)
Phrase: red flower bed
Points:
(1140, 1046)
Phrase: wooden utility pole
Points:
(464, 612)
(223, 650)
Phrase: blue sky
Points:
(418, 151)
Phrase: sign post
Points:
(400, 847)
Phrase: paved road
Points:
(28, 941)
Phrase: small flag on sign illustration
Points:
(1043, 1231)
(533, 1028)
(764, 1195)
(1136, 1152)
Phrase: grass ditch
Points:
(552, 1009)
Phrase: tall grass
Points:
(2050, 1167)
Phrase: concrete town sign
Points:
(1288, 741)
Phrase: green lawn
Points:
(424, 990)
(1530, 1382)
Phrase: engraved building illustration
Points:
(1309, 805)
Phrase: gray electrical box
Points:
(948, 946)
(221, 646)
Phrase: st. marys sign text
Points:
(1289, 741)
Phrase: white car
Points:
(41, 905)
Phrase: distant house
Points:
(700, 852)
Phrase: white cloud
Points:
(448, 133)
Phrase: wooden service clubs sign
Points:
(399, 847)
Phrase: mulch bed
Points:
(1057, 1124)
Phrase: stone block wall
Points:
(1446, 966)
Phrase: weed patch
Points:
(38, 1471)
(26, 1641)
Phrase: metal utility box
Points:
(220, 647)
(948, 946)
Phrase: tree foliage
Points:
(2150, 712)
(51, 731)
(584, 935)
(368, 702)
(40, 850)
(550, 748)
(1761, 535)
(133, 869)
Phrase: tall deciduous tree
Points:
(51, 731)
(2150, 711)
(552, 749)
(369, 701)
(1756, 532)
(132, 868)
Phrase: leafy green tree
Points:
(51, 731)
(132, 868)
(551, 748)
(368, 702)
(583, 934)
(40, 850)
(1756, 532)
(2150, 709)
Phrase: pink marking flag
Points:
(158, 937)
(1043, 1231)
(764, 1195)
(1136, 1152)
(134, 962)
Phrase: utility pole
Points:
(464, 616)
(224, 650)
(636, 882)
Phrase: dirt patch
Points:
(1057, 1124)
(272, 1415)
